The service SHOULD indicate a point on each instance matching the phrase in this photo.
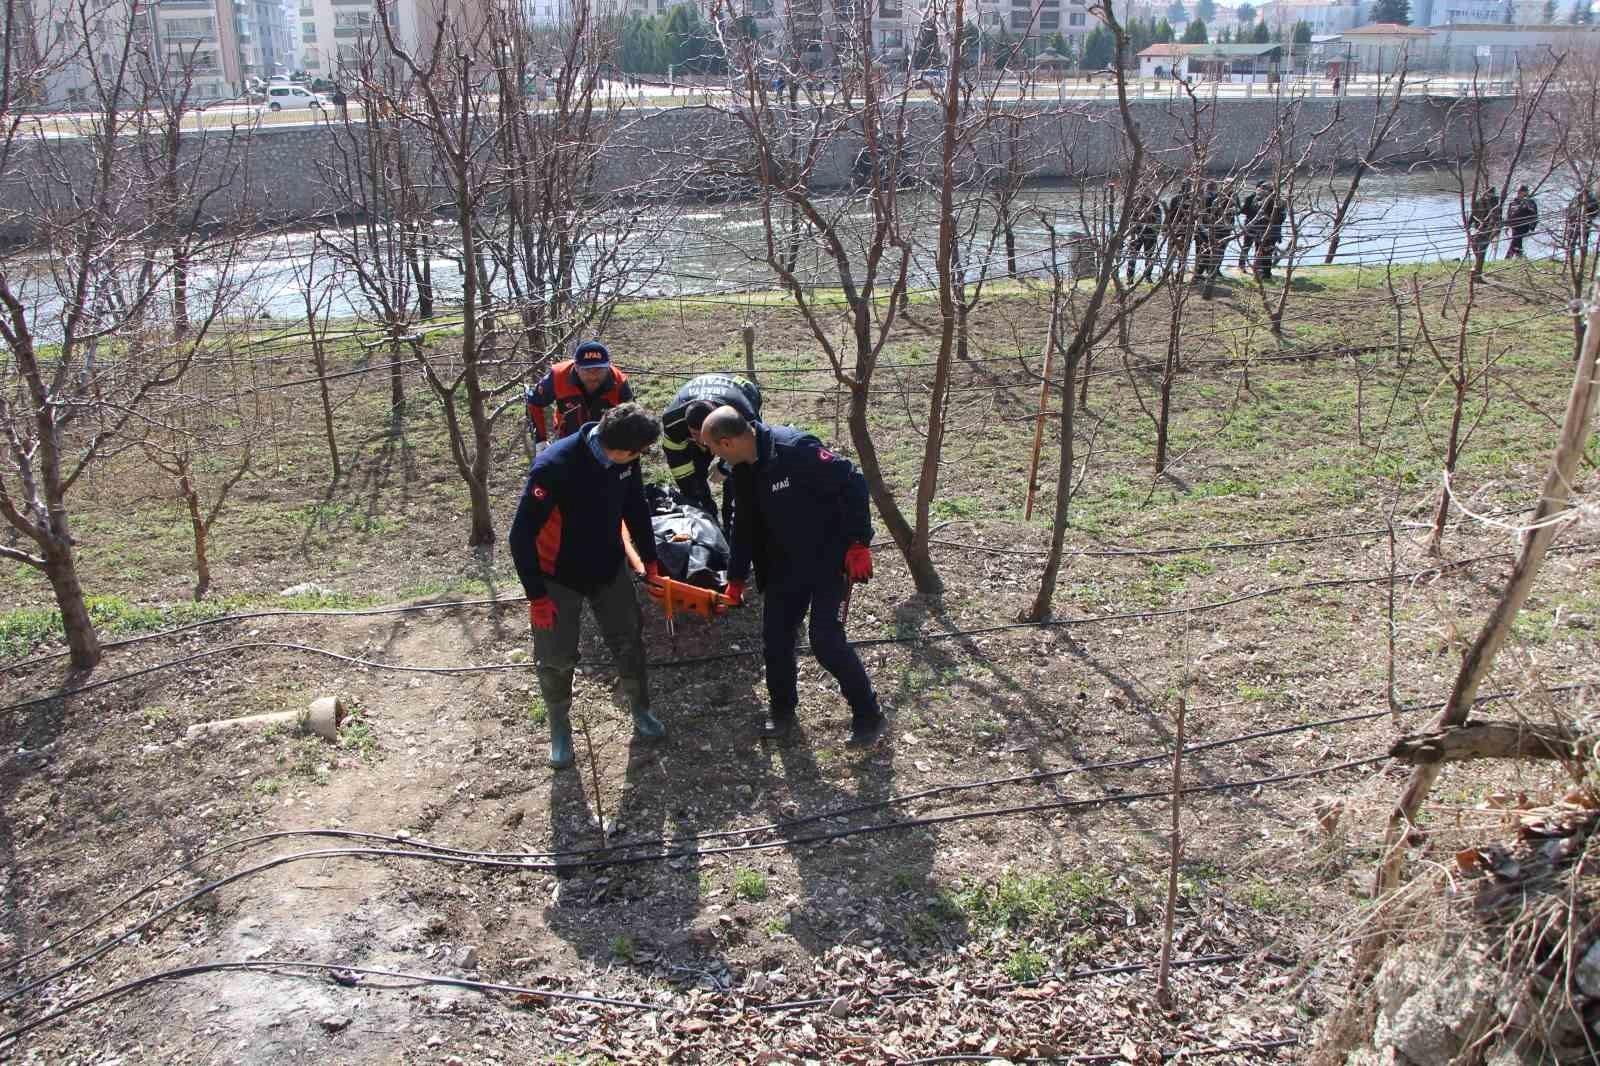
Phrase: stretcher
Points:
(675, 596)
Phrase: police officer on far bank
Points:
(804, 521)
(687, 458)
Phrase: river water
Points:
(704, 251)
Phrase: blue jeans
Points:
(785, 606)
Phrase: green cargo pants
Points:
(621, 623)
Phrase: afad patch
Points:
(825, 455)
(539, 493)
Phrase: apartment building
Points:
(1323, 16)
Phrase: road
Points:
(252, 116)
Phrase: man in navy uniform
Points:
(567, 543)
(688, 459)
(804, 520)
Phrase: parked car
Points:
(321, 85)
(933, 77)
(290, 96)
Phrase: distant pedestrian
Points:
(1336, 85)
(1522, 217)
(341, 103)
(1483, 225)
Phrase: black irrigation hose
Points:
(770, 827)
(350, 975)
(666, 855)
(1246, 545)
(868, 642)
(1186, 1053)
(278, 967)
(445, 605)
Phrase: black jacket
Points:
(686, 460)
(569, 522)
(800, 506)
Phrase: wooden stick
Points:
(1163, 991)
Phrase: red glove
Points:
(735, 593)
(652, 571)
(542, 613)
(858, 562)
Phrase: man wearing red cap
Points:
(581, 389)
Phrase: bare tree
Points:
(86, 352)
(204, 443)
(445, 95)
(1134, 185)
(776, 157)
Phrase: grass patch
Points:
(1026, 964)
(1017, 902)
(750, 885)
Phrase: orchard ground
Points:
(907, 937)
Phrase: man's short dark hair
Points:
(695, 415)
(725, 423)
(628, 428)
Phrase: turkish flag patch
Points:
(825, 455)
(539, 493)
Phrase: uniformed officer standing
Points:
(581, 389)
(804, 520)
(688, 459)
(567, 544)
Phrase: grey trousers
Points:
(621, 624)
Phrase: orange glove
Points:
(542, 613)
(858, 563)
(735, 593)
(652, 571)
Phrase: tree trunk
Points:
(919, 560)
(1058, 532)
(1451, 456)
(397, 382)
(202, 563)
(61, 569)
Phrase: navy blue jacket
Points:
(808, 503)
(569, 522)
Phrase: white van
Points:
(290, 96)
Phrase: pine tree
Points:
(1302, 32)
(1262, 35)
(1195, 32)
(1176, 12)
(1205, 10)
(1098, 48)
(1392, 11)
(1164, 34)
(1245, 14)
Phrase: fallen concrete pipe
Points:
(322, 717)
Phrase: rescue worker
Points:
(1267, 228)
(1582, 214)
(1249, 232)
(805, 523)
(1180, 224)
(1483, 224)
(1144, 235)
(1522, 217)
(567, 543)
(581, 388)
(688, 460)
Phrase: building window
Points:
(1049, 20)
(1074, 18)
(195, 29)
(1021, 20)
(889, 9)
